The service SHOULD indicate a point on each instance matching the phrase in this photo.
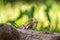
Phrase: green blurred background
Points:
(17, 13)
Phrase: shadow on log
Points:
(7, 32)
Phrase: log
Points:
(37, 35)
(7, 32)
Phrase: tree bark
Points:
(37, 35)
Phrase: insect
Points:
(31, 24)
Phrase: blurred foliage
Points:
(18, 12)
(24, 1)
(30, 13)
(48, 7)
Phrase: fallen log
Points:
(37, 35)
(7, 32)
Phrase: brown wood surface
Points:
(37, 35)
(7, 32)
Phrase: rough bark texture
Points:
(38, 35)
(7, 32)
